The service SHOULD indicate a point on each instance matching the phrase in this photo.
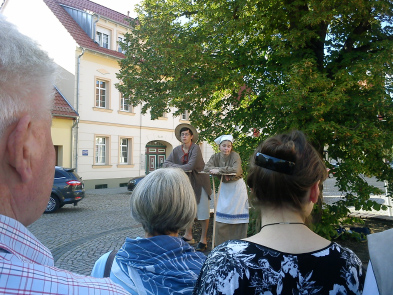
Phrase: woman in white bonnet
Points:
(232, 209)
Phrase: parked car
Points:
(133, 182)
(68, 188)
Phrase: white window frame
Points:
(125, 148)
(185, 116)
(103, 37)
(102, 93)
(125, 107)
(101, 150)
(120, 38)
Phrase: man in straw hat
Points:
(188, 157)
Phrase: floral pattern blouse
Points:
(241, 267)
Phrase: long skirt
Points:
(232, 206)
(226, 231)
(232, 214)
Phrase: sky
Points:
(122, 6)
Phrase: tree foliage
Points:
(321, 66)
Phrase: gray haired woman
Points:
(161, 262)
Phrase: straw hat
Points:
(192, 128)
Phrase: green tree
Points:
(321, 66)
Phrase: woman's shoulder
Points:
(341, 249)
(235, 249)
(346, 254)
(238, 266)
(239, 249)
(99, 266)
(215, 156)
(234, 155)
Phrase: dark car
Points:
(133, 182)
(68, 188)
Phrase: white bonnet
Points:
(221, 138)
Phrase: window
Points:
(185, 115)
(119, 40)
(103, 37)
(124, 106)
(101, 94)
(125, 151)
(101, 150)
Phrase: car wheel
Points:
(53, 204)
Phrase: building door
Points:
(59, 155)
(155, 156)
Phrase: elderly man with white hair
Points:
(27, 160)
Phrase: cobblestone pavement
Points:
(78, 236)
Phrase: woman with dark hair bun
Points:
(285, 257)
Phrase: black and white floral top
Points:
(241, 267)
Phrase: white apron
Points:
(232, 204)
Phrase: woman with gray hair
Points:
(161, 262)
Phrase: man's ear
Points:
(19, 152)
(314, 192)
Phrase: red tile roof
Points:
(61, 107)
(76, 31)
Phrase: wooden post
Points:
(215, 208)
(216, 200)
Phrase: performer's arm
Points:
(192, 158)
(210, 164)
(235, 168)
(169, 162)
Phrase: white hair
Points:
(164, 201)
(26, 71)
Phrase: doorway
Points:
(155, 155)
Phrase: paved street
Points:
(329, 188)
(78, 236)
(331, 194)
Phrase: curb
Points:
(365, 215)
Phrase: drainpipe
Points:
(76, 125)
(74, 137)
(142, 152)
(94, 26)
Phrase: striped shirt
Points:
(27, 267)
